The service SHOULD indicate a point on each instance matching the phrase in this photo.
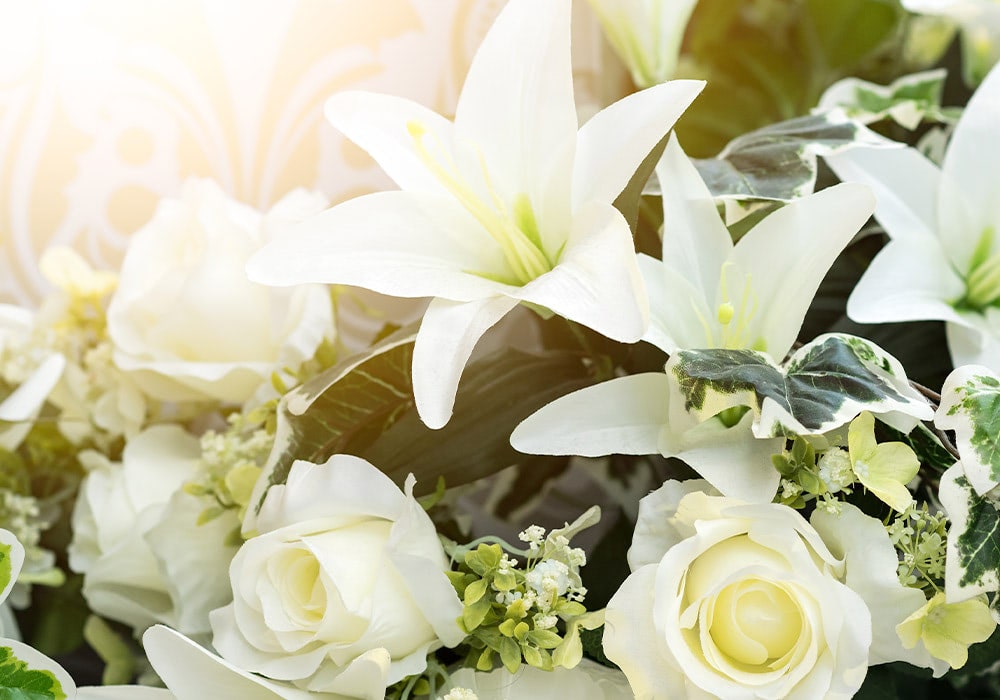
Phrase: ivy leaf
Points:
(970, 405)
(771, 61)
(26, 674)
(823, 385)
(778, 162)
(972, 564)
(908, 101)
(11, 560)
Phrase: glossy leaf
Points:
(823, 385)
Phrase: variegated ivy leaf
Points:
(823, 385)
(972, 565)
(970, 405)
(778, 162)
(11, 560)
(908, 100)
(27, 674)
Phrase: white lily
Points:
(707, 293)
(710, 293)
(508, 204)
(979, 21)
(943, 258)
(646, 34)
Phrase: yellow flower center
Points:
(754, 621)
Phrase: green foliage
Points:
(778, 162)
(770, 60)
(20, 680)
(823, 385)
(365, 407)
(970, 405)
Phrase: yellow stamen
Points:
(516, 232)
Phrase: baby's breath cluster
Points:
(920, 538)
(807, 476)
(513, 607)
(230, 464)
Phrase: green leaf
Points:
(970, 405)
(823, 385)
(364, 406)
(766, 62)
(11, 559)
(972, 564)
(496, 393)
(908, 100)
(25, 674)
(778, 162)
(361, 396)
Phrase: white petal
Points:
(398, 243)
(194, 673)
(379, 124)
(597, 281)
(157, 462)
(969, 191)
(731, 459)
(447, 336)
(975, 341)
(24, 402)
(909, 280)
(612, 144)
(862, 541)
(696, 242)
(516, 110)
(789, 253)
(905, 185)
(679, 314)
(620, 416)
(632, 641)
(344, 484)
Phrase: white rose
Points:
(137, 542)
(586, 681)
(186, 322)
(345, 564)
(734, 600)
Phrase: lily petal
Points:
(380, 124)
(597, 281)
(905, 184)
(620, 416)
(696, 243)
(447, 336)
(907, 281)
(968, 191)
(674, 324)
(730, 459)
(790, 252)
(976, 340)
(517, 105)
(398, 243)
(612, 144)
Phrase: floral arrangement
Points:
(569, 412)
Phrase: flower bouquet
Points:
(592, 406)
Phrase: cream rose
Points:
(734, 600)
(187, 323)
(137, 541)
(345, 564)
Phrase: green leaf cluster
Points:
(498, 613)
